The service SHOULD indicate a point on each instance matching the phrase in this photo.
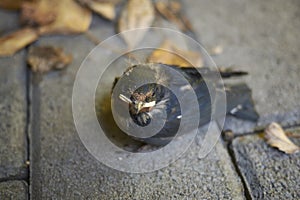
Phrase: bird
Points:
(148, 101)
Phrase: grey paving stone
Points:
(269, 173)
(13, 108)
(63, 169)
(16, 190)
(260, 37)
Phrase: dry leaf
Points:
(276, 137)
(70, 17)
(13, 42)
(44, 58)
(37, 14)
(136, 14)
(183, 59)
(104, 8)
(172, 12)
(175, 6)
(85, 2)
(11, 4)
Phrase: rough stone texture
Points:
(261, 37)
(269, 173)
(13, 108)
(16, 190)
(63, 169)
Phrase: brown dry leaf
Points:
(175, 6)
(37, 14)
(15, 41)
(183, 59)
(172, 12)
(104, 8)
(70, 17)
(44, 58)
(276, 137)
(136, 14)
(107, 10)
(11, 4)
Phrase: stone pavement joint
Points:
(13, 108)
(267, 172)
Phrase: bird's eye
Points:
(154, 94)
(133, 99)
(148, 99)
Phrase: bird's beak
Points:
(142, 105)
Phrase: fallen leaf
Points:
(175, 6)
(44, 58)
(11, 4)
(70, 17)
(276, 137)
(104, 8)
(169, 54)
(136, 14)
(172, 12)
(107, 10)
(37, 14)
(15, 41)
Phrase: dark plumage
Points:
(148, 101)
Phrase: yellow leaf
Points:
(106, 10)
(136, 14)
(169, 54)
(13, 42)
(276, 137)
(70, 17)
(172, 12)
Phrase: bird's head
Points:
(141, 102)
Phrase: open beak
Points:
(142, 105)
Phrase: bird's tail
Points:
(239, 96)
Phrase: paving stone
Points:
(16, 190)
(269, 173)
(13, 108)
(63, 169)
(261, 37)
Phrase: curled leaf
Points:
(44, 58)
(107, 10)
(13, 42)
(11, 4)
(169, 54)
(136, 14)
(172, 12)
(276, 137)
(70, 17)
(37, 14)
(104, 8)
